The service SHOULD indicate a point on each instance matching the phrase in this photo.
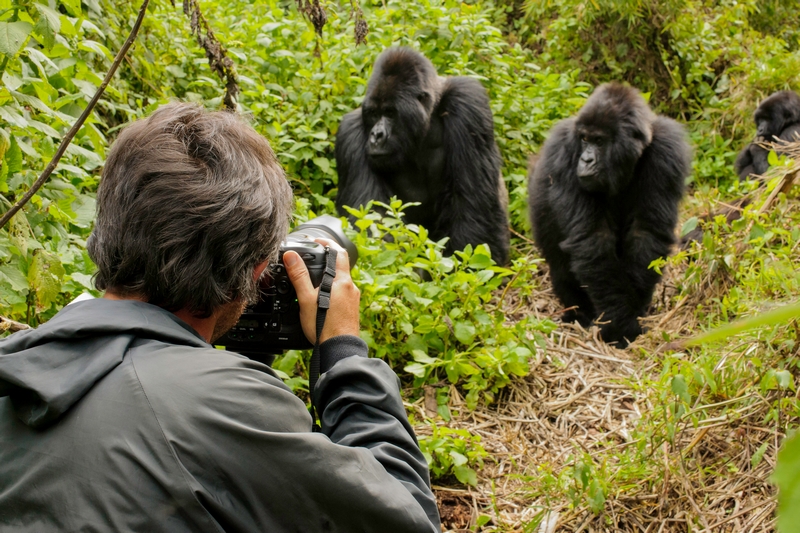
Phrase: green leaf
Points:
(386, 258)
(14, 277)
(781, 315)
(466, 475)
(772, 158)
(44, 276)
(421, 357)
(784, 379)
(48, 25)
(416, 369)
(176, 71)
(465, 332)
(458, 458)
(73, 7)
(680, 388)
(689, 226)
(323, 164)
(480, 261)
(5, 142)
(755, 460)
(84, 207)
(787, 477)
(597, 497)
(13, 157)
(84, 279)
(12, 36)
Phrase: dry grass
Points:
(584, 398)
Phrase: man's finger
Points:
(342, 259)
(298, 275)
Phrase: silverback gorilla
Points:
(604, 197)
(778, 117)
(430, 140)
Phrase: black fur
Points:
(436, 146)
(778, 117)
(599, 238)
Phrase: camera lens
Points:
(328, 227)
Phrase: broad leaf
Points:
(787, 477)
(73, 7)
(465, 332)
(13, 157)
(12, 36)
(48, 25)
(44, 276)
(466, 475)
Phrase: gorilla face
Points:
(777, 112)
(612, 130)
(591, 165)
(396, 124)
(397, 108)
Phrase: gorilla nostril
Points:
(377, 137)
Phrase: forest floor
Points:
(585, 402)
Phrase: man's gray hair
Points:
(190, 201)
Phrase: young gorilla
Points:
(430, 140)
(604, 197)
(778, 117)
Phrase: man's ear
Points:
(260, 269)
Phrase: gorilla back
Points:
(430, 140)
(604, 197)
(778, 117)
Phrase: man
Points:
(119, 415)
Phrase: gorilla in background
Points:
(430, 140)
(778, 117)
(604, 197)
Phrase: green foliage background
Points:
(706, 63)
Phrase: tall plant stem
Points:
(77, 126)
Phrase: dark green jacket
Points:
(117, 416)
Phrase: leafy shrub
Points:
(440, 317)
(454, 452)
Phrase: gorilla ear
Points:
(645, 135)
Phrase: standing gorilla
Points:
(778, 117)
(430, 140)
(604, 200)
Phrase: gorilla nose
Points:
(377, 137)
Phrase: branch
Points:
(217, 55)
(6, 324)
(79, 123)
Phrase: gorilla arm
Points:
(660, 181)
(473, 185)
(358, 184)
(744, 164)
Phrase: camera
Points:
(272, 324)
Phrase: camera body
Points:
(272, 324)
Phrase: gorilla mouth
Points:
(590, 182)
(587, 172)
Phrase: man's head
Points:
(190, 202)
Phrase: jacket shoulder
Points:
(182, 382)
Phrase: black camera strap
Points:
(323, 304)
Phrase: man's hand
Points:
(342, 317)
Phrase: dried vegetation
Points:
(586, 403)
